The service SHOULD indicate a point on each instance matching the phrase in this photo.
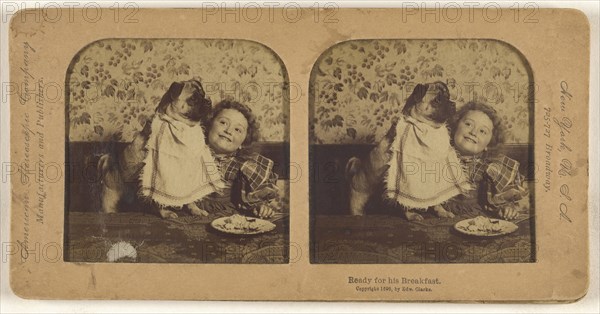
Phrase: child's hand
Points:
(509, 212)
(264, 211)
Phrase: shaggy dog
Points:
(120, 171)
(426, 110)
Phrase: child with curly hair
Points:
(499, 188)
(250, 182)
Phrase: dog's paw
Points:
(167, 214)
(446, 214)
(412, 216)
(198, 212)
(442, 212)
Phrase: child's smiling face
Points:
(228, 131)
(473, 133)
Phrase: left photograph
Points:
(177, 152)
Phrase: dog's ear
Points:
(171, 94)
(175, 90)
(415, 97)
(420, 91)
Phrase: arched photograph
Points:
(178, 152)
(421, 151)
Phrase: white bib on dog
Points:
(424, 169)
(179, 168)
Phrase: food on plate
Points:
(483, 224)
(238, 224)
(242, 223)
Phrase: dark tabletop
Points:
(380, 239)
(188, 239)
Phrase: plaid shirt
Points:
(255, 177)
(499, 176)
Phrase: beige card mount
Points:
(334, 155)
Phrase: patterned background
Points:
(358, 86)
(115, 84)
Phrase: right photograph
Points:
(421, 151)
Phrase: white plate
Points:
(238, 224)
(470, 227)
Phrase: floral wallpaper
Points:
(357, 87)
(114, 85)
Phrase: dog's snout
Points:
(444, 109)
